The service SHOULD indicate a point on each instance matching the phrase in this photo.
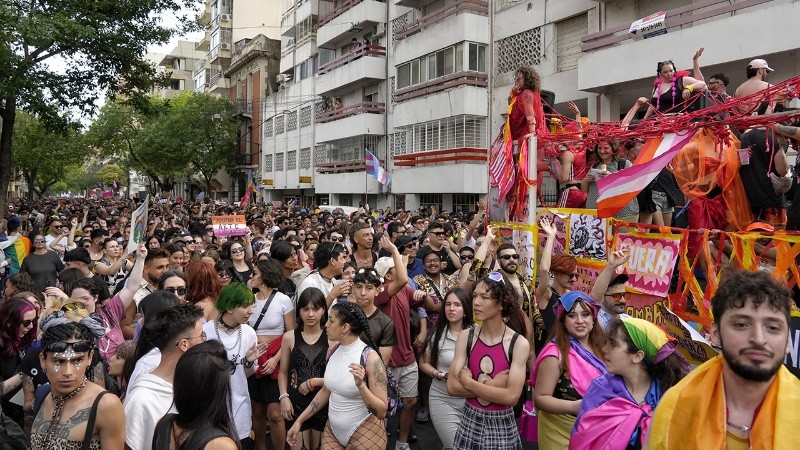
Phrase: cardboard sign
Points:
(229, 225)
(694, 348)
(588, 270)
(652, 261)
(523, 242)
(138, 225)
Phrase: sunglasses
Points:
(467, 257)
(29, 322)
(619, 295)
(77, 347)
(507, 257)
(38, 241)
(223, 274)
(496, 277)
(188, 241)
(176, 290)
(437, 233)
(337, 239)
(235, 251)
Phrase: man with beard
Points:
(744, 398)
(609, 287)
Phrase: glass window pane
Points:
(404, 76)
(459, 64)
(481, 58)
(449, 63)
(473, 56)
(432, 67)
(440, 63)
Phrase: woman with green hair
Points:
(642, 364)
(235, 306)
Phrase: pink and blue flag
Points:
(373, 167)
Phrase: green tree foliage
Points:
(41, 155)
(110, 173)
(193, 133)
(98, 44)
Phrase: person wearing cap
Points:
(396, 300)
(610, 287)
(744, 398)
(407, 246)
(566, 367)
(757, 72)
(642, 363)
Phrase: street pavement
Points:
(427, 437)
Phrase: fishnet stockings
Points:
(370, 435)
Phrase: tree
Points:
(41, 155)
(110, 173)
(102, 44)
(204, 126)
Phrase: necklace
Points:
(58, 408)
(228, 327)
(234, 360)
(741, 428)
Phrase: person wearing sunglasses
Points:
(172, 331)
(617, 409)
(610, 287)
(77, 410)
(439, 243)
(407, 246)
(488, 368)
(19, 328)
(330, 259)
(563, 268)
(566, 367)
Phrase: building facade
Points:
(424, 84)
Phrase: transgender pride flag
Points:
(374, 168)
(616, 190)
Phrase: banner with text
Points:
(652, 260)
(138, 225)
(229, 225)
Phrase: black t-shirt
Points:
(382, 328)
(757, 184)
(43, 269)
(549, 313)
(447, 265)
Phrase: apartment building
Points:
(584, 52)
(179, 62)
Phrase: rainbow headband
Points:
(648, 338)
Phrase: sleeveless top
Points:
(306, 361)
(489, 360)
(162, 435)
(61, 443)
(667, 104)
(579, 166)
(112, 280)
(517, 120)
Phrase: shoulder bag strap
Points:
(264, 309)
(87, 437)
(435, 288)
(470, 336)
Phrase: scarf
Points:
(610, 418)
(584, 367)
(691, 415)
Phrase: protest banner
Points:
(644, 306)
(557, 219)
(587, 235)
(588, 270)
(694, 348)
(523, 242)
(138, 225)
(652, 260)
(792, 359)
(229, 225)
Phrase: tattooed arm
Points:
(374, 391)
(319, 402)
(29, 392)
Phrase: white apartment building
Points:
(179, 62)
(425, 92)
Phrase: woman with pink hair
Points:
(19, 326)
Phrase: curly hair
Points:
(508, 299)
(562, 338)
(12, 311)
(738, 286)
(530, 77)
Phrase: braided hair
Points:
(351, 314)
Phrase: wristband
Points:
(283, 396)
(308, 385)
(248, 364)
(689, 88)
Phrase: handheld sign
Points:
(138, 225)
(229, 225)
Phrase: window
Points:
(476, 57)
(268, 163)
(279, 124)
(326, 55)
(443, 62)
(464, 131)
(268, 128)
(305, 116)
(279, 161)
(465, 202)
(291, 121)
(428, 200)
(291, 160)
(404, 76)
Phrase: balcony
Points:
(204, 18)
(607, 54)
(204, 44)
(223, 19)
(475, 6)
(349, 16)
(367, 62)
(366, 118)
(223, 50)
(465, 78)
(244, 107)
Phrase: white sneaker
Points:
(402, 446)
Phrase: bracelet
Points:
(690, 88)
(308, 385)
(283, 396)
(248, 364)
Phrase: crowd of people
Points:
(312, 329)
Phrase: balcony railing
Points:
(339, 10)
(478, 6)
(355, 165)
(364, 50)
(453, 155)
(358, 108)
(465, 78)
(244, 106)
(697, 11)
(199, 65)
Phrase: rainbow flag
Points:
(17, 253)
(618, 189)
(251, 187)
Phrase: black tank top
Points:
(306, 361)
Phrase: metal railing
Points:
(468, 78)
(358, 108)
(364, 50)
(477, 6)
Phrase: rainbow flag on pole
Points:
(619, 188)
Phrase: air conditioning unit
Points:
(283, 78)
(224, 17)
(380, 30)
(225, 46)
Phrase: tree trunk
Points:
(29, 181)
(208, 186)
(8, 115)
